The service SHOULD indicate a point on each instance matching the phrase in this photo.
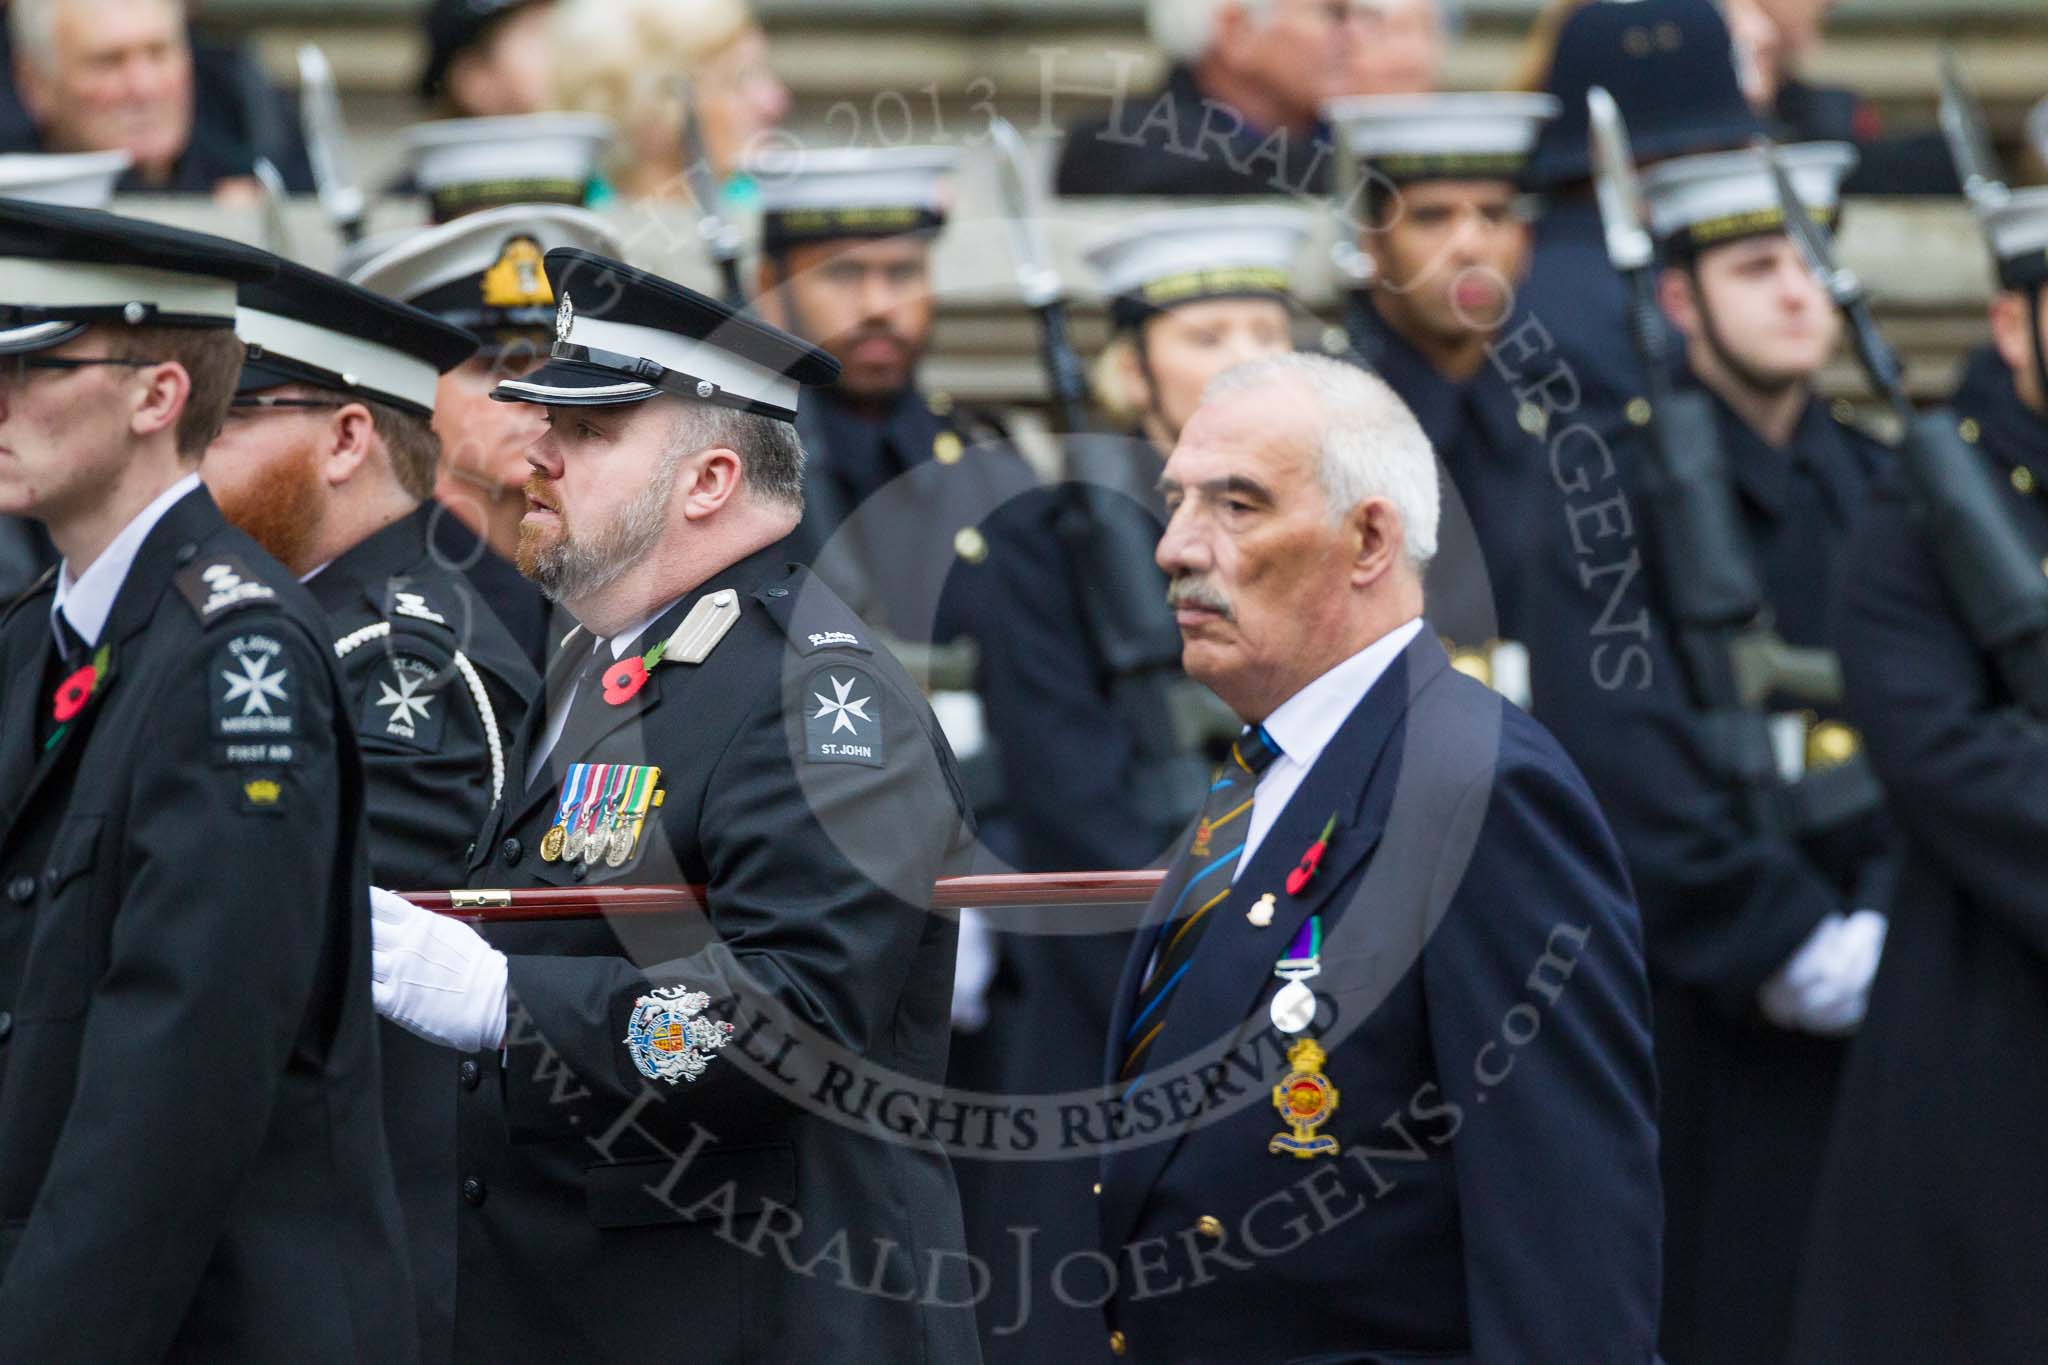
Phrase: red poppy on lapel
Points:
(1298, 880)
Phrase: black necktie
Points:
(66, 655)
(1203, 873)
(587, 708)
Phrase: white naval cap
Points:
(1697, 202)
(79, 180)
(625, 336)
(812, 196)
(1475, 136)
(486, 271)
(463, 165)
(2017, 230)
(1184, 255)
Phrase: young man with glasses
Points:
(189, 1107)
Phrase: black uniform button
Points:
(473, 1192)
(6, 1025)
(472, 1074)
(778, 592)
(187, 553)
(21, 890)
(582, 871)
(510, 851)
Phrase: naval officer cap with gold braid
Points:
(625, 336)
(1400, 139)
(822, 196)
(487, 272)
(1182, 256)
(1697, 202)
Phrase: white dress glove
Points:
(435, 976)
(1825, 987)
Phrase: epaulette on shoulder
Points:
(406, 600)
(811, 614)
(214, 585)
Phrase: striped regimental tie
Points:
(1203, 874)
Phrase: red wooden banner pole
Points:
(953, 893)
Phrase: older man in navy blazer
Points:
(1380, 1086)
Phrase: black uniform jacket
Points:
(1501, 503)
(1177, 140)
(437, 692)
(1485, 1015)
(784, 1204)
(435, 736)
(1925, 1232)
(192, 1159)
(1726, 900)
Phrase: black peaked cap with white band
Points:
(625, 336)
(304, 327)
(64, 269)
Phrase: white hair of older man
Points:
(1368, 444)
(32, 27)
(1187, 28)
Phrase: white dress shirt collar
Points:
(87, 599)
(1303, 726)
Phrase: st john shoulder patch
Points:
(405, 702)
(843, 718)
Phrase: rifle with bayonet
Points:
(1109, 540)
(720, 236)
(1979, 551)
(1969, 140)
(1730, 652)
(327, 145)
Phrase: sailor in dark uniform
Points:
(645, 1093)
(911, 504)
(190, 1108)
(1757, 840)
(1914, 1259)
(484, 274)
(327, 459)
(1671, 68)
(1446, 246)
(1192, 291)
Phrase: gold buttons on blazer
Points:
(946, 448)
(1969, 430)
(2023, 479)
(1210, 1227)
(1118, 1343)
(970, 545)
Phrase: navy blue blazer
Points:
(1485, 1011)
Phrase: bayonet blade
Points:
(277, 237)
(1614, 185)
(327, 143)
(1969, 143)
(1841, 282)
(1037, 280)
(721, 237)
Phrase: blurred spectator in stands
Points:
(1399, 49)
(1240, 111)
(95, 75)
(490, 57)
(1759, 45)
(1915, 162)
(648, 65)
